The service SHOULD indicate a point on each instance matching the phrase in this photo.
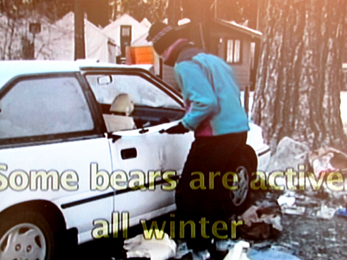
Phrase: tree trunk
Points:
(300, 72)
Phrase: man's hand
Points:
(177, 129)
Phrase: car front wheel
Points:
(240, 195)
(26, 235)
(246, 165)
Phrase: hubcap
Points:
(23, 242)
(240, 194)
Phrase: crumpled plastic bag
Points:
(327, 159)
(155, 249)
(252, 215)
(261, 222)
(289, 153)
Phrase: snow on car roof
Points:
(12, 69)
(84, 64)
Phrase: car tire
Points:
(26, 235)
(245, 166)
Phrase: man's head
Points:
(162, 36)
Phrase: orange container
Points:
(140, 55)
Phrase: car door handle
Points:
(113, 137)
(143, 130)
(128, 153)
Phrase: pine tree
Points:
(300, 72)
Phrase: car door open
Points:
(135, 109)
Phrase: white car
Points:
(81, 152)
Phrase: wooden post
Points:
(79, 31)
(161, 65)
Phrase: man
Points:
(220, 125)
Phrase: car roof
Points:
(85, 64)
(12, 69)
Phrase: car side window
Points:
(44, 106)
(141, 91)
(132, 101)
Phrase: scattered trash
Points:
(268, 207)
(224, 245)
(325, 212)
(201, 255)
(307, 201)
(289, 206)
(261, 222)
(264, 221)
(327, 159)
(182, 249)
(286, 200)
(155, 249)
(294, 210)
(239, 251)
(341, 212)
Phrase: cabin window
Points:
(233, 51)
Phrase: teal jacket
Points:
(210, 93)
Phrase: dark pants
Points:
(207, 198)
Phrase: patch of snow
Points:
(183, 21)
(146, 23)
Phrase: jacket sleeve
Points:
(197, 92)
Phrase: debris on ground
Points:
(154, 249)
(327, 159)
(341, 212)
(325, 212)
(308, 223)
(261, 222)
(281, 224)
(294, 210)
(238, 252)
(286, 199)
